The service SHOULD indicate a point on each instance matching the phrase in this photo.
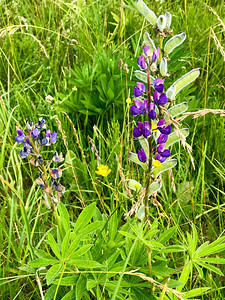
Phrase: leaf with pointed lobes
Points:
(174, 42)
(146, 12)
(173, 137)
(133, 157)
(134, 185)
(167, 165)
(143, 76)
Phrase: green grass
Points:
(63, 49)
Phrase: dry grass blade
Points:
(217, 43)
(202, 112)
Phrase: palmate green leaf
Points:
(80, 252)
(133, 157)
(173, 248)
(211, 250)
(174, 42)
(64, 216)
(85, 217)
(177, 110)
(134, 185)
(141, 294)
(173, 137)
(212, 260)
(143, 76)
(144, 144)
(186, 80)
(127, 234)
(53, 272)
(74, 245)
(185, 274)
(42, 254)
(167, 165)
(146, 12)
(199, 269)
(69, 296)
(65, 244)
(85, 264)
(149, 41)
(196, 292)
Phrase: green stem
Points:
(58, 222)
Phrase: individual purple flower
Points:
(142, 129)
(141, 155)
(162, 138)
(160, 99)
(139, 107)
(162, 128)
(56, 173)
(160, 158)
(35, 133)
(162, 151)
(41, 123)
(58, 158)
(139, 89)
(49, 138)
(155, 55)
(152, 113)
(141, 62)
(20, 138)
(25, 152)
(158, 85)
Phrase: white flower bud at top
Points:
(161, 22)
(171, 92)
(168, 19)
(163, 67)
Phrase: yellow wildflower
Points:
(103, 170)
(128, 100)
(156, 163)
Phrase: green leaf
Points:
(150, 42)
(185, 274)
(52, 273)
(133, 157)
(92, 227)
(173, 248)
(144, 144)
(67, 281)
(143, 76)
(212, 260)
(210, 267)
(52, 243)
(196, 292)
(42, 262)
(155, 186)
(165, 236)
(64, 216)
(127, 234)
(80, 251)
(174, 138)
(174, 42)
(65, 244)
(69, 296)
(141, 294)
(85, 217)
(74, 245)
(146, 12)
(43, 254)
(199, 269)
(86, 264)
(169, 164)
(186, 79)
(134, 185)
(177, 110)
(80, 287)
(211, 250)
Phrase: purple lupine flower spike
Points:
(139, 89)
(158, 85)
(146, 130)
(141, 155)
(139, 107)
(20, 138)
(162, 151)
(141, 62)
(142, 129)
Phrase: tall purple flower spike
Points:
(158, 85)
(139, 89)
(141, 62)
(20, 138)
(141, 155)
(162, 128)
(160, 99)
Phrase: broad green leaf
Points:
(144, 144)
(67, 281)
(80, 251)
(92, 227)
(70, 295)
(52, 243)
(177, 109)
(174, 42)
(165, 236)
(186, 79)
(42, 262)
(185, 274)
(212, 260)
(80, 287)
(150, 42)
(65, 244)
(210, 267)
(86, 264)
(64, 216)
(173, 137)
(196, 292)
(85, 217)
(154, 187)
(146, 12)
(133, 157)
(169, 164)
(52, 273)
(134, 185)
(143, 76)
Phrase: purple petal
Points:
(136, 133)
(147, 50)
(161, 123)
(48, 133)
(158, 81)
(152, 114)
(146, 133)
(166, 153)
(159, 88)
(162, 138)
(160, 148)
(134, 110)
(139, 104)
(158, 52)
(137, 92)
(156, 96)
(154, 57)
(140, 126)
(162, 99)
(19, 139)
(141, 86)
(141, 155)
(35, 133)
(165, 130)
(146, 125)
(20, 132)
(141, 62)
(160, 158)
(53, 137)
(151, 106)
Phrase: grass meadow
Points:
(60, 61)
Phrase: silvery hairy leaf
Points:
(174, 42)
(134, 185)
(133, 157)
(154, 187)
(161, 22)
(167, 165)
(143, 76)
(144, 144)
(146, 12)
(150, 42)
(173, 137)
(168, 17)
(177, 109)
(171, 92)
(163, 67)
